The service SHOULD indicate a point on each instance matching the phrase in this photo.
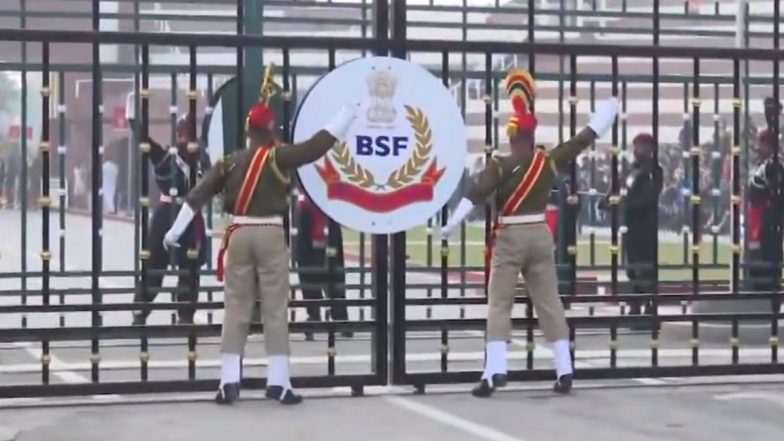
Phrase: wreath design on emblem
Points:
(404, 175)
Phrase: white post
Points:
(740, 24)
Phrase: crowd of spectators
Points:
(715, 180)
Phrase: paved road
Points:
(690, 413)
(19, 361)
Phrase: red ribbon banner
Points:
(379, 202)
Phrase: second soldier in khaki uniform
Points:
(255, 187)
(521, 182)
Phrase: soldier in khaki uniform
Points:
(522, 182)
(255, 187)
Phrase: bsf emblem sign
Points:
(404, 155)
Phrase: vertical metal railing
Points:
(398, 276)
(144, 201)
(736, 191)
(239, 75)
(593, 218)
(20, 196)
(380, 270)
(735, 197)
(330, 254)
(487, 98)
(572, 200)
(614, 189)
(209, 225)
(444, 245)
(97, 203)
(174, 294)
(696, 176)
(777, 205)
(195, 152)
(655, 134)
(44, 201)
(529, 307)
(63, 197)
(695, 202)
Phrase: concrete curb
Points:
(8, 434)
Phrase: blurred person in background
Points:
(765, 189)
(110, 172)
(640, 205)
(171, 168)
(315, 234)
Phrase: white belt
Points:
(522, 219)
(262, 220)
(168, 199)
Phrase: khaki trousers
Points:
(526, 248)
(257, 268)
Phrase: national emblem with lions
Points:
(391, 163)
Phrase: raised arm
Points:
(484, 183)
(296, 155)
(209, 185)
(565, 153)
(158, 152)
(601, 121)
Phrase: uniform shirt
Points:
(173, 172)
(504, 173)
(271, 195)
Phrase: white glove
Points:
(130, 106)
(603, 119)
(463, 209)
(182, 221)
(339, 124)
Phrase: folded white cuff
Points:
(462, 210)
(338, 125)
(182, 221)
(278, 371)
(604, 117)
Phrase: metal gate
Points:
(418, 304)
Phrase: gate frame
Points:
(390, 294)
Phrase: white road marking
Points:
(477, 430)
(770, 397)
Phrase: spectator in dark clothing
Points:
(639, 207)
(315, 234)
(763, 255)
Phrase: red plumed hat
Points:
(260, 117)
(521, 89)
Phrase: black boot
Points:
(285, 396)
(311, 318)
(228, 393)
(563, 385)
(486, 388)
(643, 323)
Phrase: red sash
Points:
(513, 203)
(552, 220)
(756, 218)
(247, 189)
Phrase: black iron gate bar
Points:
(413, 325)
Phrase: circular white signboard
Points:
(403, 156)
